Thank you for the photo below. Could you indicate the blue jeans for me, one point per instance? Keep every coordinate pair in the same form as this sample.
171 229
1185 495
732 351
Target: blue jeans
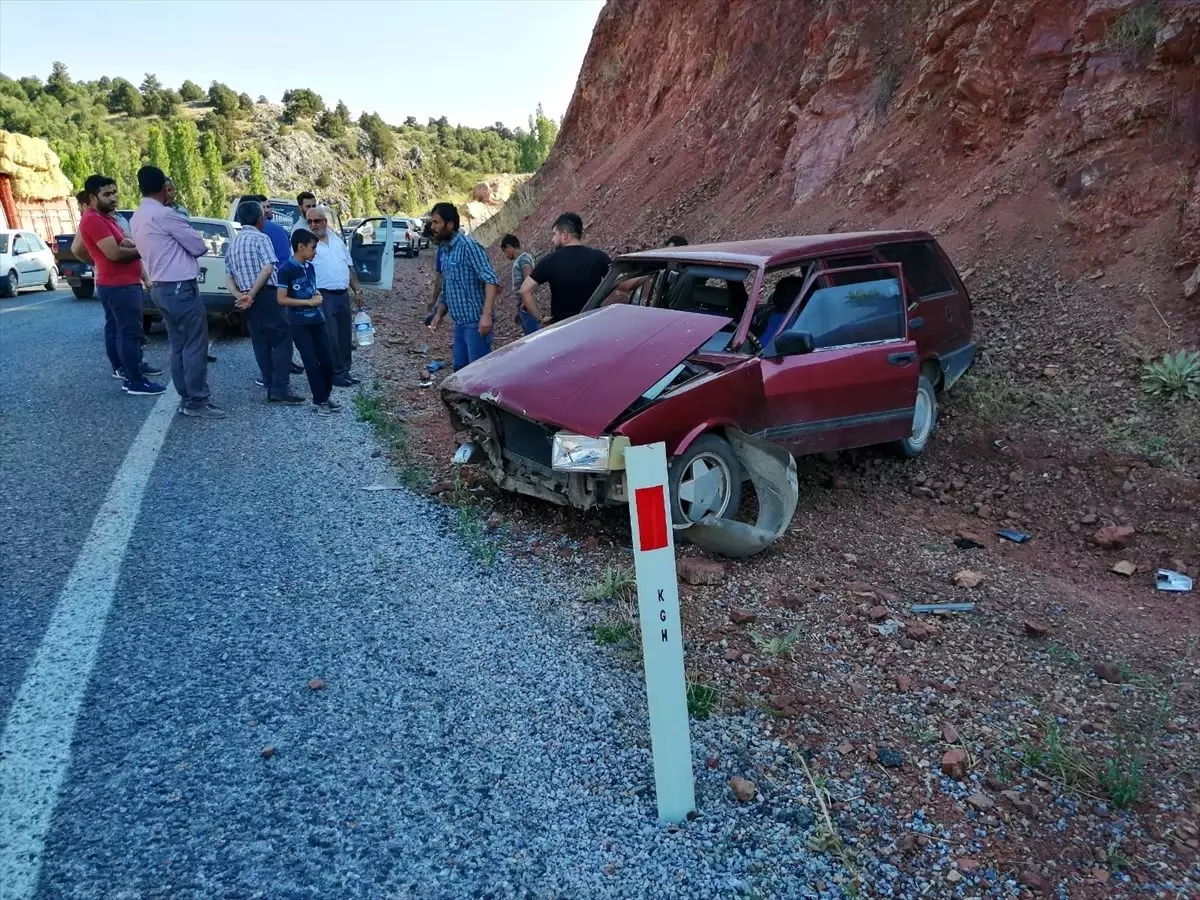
528 323
123 328
469 344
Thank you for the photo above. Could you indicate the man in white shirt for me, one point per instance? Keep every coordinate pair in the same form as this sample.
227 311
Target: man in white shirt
335 281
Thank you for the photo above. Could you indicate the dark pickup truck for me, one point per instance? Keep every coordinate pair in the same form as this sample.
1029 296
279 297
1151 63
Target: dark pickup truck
80 275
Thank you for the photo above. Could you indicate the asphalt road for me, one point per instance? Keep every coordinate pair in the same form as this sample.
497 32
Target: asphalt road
168 588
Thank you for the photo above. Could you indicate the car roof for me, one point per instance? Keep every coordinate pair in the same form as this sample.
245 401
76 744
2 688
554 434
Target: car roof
774 251
209 221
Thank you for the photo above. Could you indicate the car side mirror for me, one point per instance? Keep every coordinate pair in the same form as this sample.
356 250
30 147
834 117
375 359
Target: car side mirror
793 343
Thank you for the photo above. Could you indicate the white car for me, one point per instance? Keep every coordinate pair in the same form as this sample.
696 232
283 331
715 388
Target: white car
409 240
25 261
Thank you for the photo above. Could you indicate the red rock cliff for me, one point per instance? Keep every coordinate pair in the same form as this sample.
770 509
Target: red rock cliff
996 122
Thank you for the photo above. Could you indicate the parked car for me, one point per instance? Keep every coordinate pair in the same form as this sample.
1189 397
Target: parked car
25 261
286 213
348 228
409 239
218 302
813 343
81 276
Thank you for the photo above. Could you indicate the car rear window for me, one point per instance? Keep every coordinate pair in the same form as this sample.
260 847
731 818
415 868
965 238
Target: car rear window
215 236
853 314
923 267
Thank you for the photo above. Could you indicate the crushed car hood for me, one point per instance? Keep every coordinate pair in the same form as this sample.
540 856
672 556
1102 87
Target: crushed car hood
582 374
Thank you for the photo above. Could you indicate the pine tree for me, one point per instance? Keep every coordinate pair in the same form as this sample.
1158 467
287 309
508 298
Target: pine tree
214 177
187 170
356 209
156 149
258 180
366 192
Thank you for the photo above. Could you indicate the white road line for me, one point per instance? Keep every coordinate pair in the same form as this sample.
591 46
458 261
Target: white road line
35 749
9 309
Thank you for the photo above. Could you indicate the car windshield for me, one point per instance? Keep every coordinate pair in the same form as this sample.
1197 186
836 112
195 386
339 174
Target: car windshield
216 236
3 243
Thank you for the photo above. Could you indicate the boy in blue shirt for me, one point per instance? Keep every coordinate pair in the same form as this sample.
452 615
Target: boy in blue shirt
297 293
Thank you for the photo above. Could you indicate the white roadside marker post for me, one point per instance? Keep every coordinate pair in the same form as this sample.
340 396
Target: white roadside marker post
662 633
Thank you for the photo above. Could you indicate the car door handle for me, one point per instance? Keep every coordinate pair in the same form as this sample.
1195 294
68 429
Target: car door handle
916 324
901 359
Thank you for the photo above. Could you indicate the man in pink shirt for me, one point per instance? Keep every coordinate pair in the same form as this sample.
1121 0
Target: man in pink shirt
170 247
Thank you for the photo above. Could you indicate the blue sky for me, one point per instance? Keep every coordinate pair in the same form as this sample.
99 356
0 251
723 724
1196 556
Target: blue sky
500 57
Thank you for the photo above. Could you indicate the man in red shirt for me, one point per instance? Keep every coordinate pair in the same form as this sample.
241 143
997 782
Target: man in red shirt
119 285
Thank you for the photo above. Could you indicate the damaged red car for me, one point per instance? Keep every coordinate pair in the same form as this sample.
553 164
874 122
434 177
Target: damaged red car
737 356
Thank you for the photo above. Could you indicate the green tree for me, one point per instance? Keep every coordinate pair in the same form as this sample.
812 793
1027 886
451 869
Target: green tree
245 104
535 145
156 148
223 99
214 176
301 103
125 98
342 111
77 162
59 84
380 138
187 169
366 194
258 180
151 84
190 92
329 125
409 198
356 208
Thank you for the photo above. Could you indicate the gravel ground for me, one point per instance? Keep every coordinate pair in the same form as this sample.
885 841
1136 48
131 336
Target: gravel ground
466 737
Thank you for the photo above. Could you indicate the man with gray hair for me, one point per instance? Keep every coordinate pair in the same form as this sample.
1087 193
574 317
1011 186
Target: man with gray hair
336 279
250 268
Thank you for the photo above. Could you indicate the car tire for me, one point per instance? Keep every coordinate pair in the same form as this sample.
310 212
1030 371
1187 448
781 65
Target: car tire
925 415
711 459
52 280
84 291
8 285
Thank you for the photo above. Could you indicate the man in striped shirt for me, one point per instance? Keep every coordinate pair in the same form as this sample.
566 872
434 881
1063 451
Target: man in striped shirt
250 268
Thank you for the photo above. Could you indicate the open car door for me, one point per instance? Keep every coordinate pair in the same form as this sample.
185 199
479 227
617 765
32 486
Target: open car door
371 249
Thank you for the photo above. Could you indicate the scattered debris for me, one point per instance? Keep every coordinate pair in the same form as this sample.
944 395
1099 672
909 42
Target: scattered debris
742 617
698 571
1011 534
1036 629
1170 580
1125 567
954 764
889 628
981 802
965 578
316 684
268 751
890 758
938 608
968 541
743 788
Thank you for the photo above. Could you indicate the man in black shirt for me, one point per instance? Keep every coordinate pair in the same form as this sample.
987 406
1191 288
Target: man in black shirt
572 270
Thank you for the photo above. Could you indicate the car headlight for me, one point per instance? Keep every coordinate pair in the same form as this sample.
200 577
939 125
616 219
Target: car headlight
578 453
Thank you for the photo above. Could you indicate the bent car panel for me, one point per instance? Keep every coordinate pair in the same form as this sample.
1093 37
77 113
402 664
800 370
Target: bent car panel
583 373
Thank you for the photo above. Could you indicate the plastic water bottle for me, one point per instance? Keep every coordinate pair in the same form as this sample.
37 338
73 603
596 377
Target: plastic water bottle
364 331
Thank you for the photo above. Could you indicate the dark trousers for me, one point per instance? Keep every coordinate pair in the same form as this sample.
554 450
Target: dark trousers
123 328
187 327
336 308
312 341
271 338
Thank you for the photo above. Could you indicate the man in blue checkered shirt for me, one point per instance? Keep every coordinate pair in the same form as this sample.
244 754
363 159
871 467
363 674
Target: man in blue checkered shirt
250 277
466 286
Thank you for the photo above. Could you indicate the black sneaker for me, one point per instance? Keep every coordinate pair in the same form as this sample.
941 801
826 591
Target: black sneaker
208 411
297 369
259 381
345 382
149 371
290 399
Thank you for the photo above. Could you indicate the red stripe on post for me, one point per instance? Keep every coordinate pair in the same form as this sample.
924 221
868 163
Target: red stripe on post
651 517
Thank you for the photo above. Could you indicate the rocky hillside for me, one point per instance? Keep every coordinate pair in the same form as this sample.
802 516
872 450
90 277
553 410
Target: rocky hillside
1052 146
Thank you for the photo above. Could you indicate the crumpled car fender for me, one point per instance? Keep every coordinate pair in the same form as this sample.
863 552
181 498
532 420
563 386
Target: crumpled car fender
772 471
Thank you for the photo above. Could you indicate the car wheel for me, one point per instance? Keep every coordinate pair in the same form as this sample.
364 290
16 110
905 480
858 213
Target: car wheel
8 285
924 421
83 291
706 478
52 281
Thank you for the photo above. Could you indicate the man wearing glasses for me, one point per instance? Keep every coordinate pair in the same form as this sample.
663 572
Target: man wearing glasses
336 280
